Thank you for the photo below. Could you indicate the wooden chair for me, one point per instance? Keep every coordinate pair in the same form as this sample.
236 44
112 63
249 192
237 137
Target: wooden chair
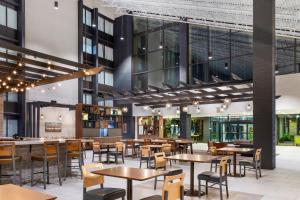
215 178
172 189
252 165
130 144
147 141
216 162
73 151
50 154
8 157
119 151
90 179
146 155
160 162
98 150
167 149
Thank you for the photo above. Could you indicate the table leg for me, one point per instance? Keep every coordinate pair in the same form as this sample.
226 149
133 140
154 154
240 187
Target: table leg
129 189
192 192
191 148
234 164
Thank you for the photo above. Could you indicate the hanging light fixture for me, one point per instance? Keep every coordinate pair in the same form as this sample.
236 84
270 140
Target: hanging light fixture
56 5
161 38
168 105
177 111
210 55
94 18
124 109
185 109
226 66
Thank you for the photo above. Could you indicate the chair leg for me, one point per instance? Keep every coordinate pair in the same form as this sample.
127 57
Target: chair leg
227 193
80 163
216 167
259 171
256 174
221 194
116 159
20 173
58 171
44 173
244 170
14 170
48 178
211 165
155 182
240 170
32 173
123 158
199 188
65 166
93 157
141 163
206 188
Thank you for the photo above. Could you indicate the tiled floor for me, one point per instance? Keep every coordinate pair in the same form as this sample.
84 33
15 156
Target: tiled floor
283 183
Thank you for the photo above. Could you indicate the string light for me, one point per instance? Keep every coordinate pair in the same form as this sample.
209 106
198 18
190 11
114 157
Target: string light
14 72
9 78
168 105
44 75
20 64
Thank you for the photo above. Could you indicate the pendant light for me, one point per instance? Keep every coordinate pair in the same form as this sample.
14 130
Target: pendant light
122 37
160 37
56 5
94 18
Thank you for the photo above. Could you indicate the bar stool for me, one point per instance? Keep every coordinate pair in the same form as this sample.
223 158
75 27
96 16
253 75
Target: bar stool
8 157
73 151
50 154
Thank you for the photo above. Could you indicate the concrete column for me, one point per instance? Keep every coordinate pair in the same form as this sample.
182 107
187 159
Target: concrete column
185 125
184 72
264 80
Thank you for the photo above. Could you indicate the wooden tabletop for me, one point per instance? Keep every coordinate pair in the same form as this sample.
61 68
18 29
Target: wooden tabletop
137 174
235 149
155 146
192 158
14 192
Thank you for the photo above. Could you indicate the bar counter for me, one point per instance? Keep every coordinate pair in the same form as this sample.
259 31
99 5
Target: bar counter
29 147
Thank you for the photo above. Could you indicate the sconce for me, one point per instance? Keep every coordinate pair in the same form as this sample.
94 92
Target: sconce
42 116
59 117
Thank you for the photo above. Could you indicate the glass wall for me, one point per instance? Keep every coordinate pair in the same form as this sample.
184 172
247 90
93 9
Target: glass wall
8 16
156 53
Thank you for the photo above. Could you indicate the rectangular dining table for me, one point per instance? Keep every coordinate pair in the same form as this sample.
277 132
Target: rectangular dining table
130 174
235 151
192 158
15 192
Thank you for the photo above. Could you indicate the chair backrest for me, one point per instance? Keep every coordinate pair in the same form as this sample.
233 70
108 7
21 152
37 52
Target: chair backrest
119 146
173 143
90 179
147 141
73 145
210 144
160 160
213 151
51 148
166 148
223 166
130 142
145 151
96 146
7 149
173 187
257 156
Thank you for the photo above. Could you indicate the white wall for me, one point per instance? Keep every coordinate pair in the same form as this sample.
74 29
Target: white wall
51 114
54 32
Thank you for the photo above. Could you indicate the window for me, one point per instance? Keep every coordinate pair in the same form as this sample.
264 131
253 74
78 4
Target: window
109 53
101 50
87 78
2 15
10 126
87 98
8 17
100 24
101 78
109 103
109 27
12 97
12 18
87 45
87 17
109 79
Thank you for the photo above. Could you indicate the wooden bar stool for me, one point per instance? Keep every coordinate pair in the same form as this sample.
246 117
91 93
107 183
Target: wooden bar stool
50 154
8 157
73 151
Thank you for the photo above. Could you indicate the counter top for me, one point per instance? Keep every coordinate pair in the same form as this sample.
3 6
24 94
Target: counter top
42 140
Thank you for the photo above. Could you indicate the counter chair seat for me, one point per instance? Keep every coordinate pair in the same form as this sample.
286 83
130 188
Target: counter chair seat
50 154
8 157
90 179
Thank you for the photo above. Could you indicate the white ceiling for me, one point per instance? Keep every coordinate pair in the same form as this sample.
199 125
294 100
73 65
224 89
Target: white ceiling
233 14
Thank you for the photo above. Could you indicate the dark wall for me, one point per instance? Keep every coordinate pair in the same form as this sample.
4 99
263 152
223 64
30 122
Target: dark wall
123 65
185 125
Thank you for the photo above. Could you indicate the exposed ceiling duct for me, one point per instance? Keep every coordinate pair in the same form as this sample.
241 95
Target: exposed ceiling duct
231 14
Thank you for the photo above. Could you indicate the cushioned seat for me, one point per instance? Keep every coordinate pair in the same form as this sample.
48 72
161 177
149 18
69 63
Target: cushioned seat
209 176
104 194
247 163
154 197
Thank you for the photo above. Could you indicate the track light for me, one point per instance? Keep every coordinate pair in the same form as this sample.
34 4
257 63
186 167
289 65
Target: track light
56 5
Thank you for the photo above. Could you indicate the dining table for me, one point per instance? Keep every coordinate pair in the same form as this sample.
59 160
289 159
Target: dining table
130 174
192 159
15 192
235 150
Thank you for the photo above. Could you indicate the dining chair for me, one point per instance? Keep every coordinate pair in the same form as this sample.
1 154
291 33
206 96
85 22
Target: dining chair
216 162
215 178
167 149
146 155
8 157
90 179
98 150
160 162
73 150
252 165
172 189
119 151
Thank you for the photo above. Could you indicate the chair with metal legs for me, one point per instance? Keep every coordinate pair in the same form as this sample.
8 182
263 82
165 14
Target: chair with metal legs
73 151
8 157
50 154
252 165
146 156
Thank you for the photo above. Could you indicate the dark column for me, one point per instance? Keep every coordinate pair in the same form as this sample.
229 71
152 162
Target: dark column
96 63
185 125
184 72
123 65
80 46
264 80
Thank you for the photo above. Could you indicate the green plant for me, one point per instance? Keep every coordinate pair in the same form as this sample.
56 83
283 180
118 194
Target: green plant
286 138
